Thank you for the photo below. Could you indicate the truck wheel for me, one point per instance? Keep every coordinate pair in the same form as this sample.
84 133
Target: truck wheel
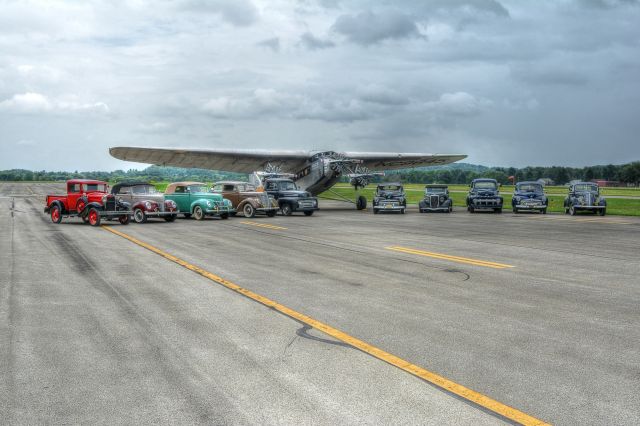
361 202
124 219
572 211
170 218
498 210
271 213
402 211
286 209
308 213
56 214
139 216
94 217
80 205
198 213
248 211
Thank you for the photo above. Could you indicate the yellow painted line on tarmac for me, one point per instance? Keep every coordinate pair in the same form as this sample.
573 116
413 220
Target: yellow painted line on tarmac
262 225
415 370
458 259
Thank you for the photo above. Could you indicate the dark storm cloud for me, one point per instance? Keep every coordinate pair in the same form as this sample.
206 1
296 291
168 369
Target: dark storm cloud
312 42
506 81
369 28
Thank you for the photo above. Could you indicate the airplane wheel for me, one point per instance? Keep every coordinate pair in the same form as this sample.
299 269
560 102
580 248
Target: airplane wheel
361 202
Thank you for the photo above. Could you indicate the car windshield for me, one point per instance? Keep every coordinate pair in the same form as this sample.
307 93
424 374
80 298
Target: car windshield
585 187
436 190
288 186
485 185
197 188
91 187
389 189
530 187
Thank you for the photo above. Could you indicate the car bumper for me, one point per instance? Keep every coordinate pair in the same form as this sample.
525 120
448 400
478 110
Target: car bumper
217 211
301 207
435 209
530 206
589 207
390 208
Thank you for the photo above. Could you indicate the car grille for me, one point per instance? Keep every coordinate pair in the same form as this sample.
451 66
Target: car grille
264 199
110 204
435 201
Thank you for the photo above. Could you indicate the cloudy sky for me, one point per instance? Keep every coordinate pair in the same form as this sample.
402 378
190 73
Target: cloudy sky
509 83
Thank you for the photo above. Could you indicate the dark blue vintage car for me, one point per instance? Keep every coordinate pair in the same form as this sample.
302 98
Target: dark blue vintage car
585 196
529 196
484 195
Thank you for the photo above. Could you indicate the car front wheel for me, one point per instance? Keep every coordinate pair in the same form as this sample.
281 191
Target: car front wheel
572 211
286 209
248 210
124 219
139 216
198 213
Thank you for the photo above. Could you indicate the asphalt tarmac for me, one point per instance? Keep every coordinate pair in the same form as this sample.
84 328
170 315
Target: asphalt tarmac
541 313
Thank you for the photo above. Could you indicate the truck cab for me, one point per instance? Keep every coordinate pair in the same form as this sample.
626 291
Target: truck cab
290 198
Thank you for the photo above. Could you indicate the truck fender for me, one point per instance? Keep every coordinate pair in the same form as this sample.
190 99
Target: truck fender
60 205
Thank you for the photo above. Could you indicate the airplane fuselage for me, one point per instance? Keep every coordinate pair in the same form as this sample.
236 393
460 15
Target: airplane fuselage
317 176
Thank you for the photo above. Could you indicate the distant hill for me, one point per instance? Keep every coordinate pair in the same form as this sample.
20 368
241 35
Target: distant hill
457 173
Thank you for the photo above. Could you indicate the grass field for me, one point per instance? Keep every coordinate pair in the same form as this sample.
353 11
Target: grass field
615 206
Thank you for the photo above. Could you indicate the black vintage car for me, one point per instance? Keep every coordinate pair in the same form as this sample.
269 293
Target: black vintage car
529 196
290 198
390 197
585 196
436 199
484 195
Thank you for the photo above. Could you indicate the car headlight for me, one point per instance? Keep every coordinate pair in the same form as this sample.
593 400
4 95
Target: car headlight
147 204
209 204
315 203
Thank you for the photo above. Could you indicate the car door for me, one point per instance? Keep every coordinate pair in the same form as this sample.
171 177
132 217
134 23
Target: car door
182 198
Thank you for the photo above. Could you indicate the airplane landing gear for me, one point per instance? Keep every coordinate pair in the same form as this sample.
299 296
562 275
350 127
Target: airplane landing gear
361 202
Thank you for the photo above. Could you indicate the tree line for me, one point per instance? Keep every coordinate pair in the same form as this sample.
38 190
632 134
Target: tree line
459 173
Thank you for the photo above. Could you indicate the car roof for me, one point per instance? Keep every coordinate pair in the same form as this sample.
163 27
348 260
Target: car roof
484 180
127 183
171 188
390 184
232 182
86 181
528 182
436 185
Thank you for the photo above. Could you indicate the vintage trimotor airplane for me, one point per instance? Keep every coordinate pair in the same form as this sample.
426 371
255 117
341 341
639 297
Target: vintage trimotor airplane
315 172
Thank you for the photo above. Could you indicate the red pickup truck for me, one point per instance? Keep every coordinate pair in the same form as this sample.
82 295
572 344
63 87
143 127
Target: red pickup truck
89 200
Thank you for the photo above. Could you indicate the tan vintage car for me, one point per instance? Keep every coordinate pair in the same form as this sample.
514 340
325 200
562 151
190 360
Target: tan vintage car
245 198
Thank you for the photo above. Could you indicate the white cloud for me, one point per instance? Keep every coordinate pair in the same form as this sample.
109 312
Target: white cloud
33 103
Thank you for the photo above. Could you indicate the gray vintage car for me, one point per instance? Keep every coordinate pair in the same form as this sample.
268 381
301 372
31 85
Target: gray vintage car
146 201
436 199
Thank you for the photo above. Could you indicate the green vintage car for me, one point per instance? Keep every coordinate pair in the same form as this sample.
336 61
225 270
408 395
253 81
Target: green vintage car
194 199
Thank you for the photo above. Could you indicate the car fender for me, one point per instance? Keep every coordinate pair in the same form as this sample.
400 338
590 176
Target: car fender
199 202
141 205
60 205
94 204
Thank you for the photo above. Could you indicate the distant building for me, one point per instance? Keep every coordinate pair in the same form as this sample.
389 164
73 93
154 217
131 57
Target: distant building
606 183
546 181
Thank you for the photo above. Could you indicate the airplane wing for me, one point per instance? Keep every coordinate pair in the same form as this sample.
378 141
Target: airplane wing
229 160
250 160
394 161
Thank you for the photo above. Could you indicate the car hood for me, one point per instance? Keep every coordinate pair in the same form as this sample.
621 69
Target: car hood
485 192
207 196
528 194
